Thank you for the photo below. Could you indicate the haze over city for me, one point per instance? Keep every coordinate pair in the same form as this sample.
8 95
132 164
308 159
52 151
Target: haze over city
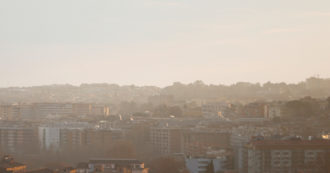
150 42
164 86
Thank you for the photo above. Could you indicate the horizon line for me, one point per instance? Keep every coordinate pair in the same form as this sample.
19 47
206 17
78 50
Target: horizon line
146 85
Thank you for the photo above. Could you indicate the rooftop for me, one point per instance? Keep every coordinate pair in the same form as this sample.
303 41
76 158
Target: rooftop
115 161
294 143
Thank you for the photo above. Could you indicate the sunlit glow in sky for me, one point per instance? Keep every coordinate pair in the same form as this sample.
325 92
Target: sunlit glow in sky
158 42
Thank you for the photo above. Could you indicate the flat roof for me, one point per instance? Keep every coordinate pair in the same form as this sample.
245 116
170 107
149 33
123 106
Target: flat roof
115 161
293 143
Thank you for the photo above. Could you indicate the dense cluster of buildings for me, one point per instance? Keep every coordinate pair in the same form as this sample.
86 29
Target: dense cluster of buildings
9 165
32 138
250 141
42 110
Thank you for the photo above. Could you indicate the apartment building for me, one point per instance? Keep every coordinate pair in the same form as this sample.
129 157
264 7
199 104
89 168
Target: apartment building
75 135
18 138
287 156
9 112
47 109
166 140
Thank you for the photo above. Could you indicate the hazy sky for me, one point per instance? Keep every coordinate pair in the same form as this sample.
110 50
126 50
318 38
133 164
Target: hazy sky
157 42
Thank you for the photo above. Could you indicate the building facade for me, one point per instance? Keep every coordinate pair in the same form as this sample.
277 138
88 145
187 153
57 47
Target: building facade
117 165
287 156
166 140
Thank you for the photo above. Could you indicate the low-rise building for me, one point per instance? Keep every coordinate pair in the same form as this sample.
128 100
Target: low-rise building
83 168
117 165
273 111
201 165
9 165
196 142
214 110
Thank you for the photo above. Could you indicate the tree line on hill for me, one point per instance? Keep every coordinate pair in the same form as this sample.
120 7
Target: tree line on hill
113 93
